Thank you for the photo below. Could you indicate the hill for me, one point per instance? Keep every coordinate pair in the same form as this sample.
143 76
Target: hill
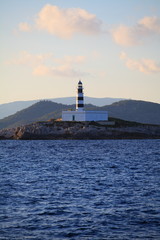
42 110
8 109
137 111
130 110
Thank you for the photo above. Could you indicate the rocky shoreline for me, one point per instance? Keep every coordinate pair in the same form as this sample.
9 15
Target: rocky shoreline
80 130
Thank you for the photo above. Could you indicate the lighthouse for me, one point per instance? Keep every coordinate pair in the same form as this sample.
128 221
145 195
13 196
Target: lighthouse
80 115
79 98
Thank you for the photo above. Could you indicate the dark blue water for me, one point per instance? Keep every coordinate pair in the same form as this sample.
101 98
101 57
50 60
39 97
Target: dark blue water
91 190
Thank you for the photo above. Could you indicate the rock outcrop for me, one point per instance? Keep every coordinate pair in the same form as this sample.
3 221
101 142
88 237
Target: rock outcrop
80 130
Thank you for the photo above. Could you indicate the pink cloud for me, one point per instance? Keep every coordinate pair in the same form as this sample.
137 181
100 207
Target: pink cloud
48 65
24 27
144 65
151 23
59 71
134 35
27 58
66 22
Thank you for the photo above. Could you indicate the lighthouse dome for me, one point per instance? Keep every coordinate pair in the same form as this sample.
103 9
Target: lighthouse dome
79 83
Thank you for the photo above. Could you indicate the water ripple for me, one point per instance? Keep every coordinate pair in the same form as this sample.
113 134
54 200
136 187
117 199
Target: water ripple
91 190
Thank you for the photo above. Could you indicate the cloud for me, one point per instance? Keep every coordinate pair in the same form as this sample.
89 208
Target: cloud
151 23
41 70
71 59
64 23
24 27
144 65
26 58
134 35
48 65
126 36
60 71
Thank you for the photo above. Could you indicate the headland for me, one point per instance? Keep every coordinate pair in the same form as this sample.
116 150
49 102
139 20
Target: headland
115 129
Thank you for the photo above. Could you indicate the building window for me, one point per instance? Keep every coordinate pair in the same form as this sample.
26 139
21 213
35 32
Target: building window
73 117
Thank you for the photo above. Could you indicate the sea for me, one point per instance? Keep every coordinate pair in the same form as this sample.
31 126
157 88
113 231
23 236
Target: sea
80 189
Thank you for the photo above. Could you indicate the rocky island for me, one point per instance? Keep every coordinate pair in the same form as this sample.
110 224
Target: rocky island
116 129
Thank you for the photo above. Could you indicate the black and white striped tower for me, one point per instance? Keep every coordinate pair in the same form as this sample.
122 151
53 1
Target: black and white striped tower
79 98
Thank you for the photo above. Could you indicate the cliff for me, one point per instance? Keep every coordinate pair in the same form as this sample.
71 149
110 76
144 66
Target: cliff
81 130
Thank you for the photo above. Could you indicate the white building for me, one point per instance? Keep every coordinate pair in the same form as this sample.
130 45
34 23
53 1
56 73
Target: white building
80 114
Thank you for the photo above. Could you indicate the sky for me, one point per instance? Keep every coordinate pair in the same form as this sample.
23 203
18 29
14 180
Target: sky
113 47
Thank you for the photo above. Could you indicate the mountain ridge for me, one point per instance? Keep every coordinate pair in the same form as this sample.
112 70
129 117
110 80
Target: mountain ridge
129 110
7 109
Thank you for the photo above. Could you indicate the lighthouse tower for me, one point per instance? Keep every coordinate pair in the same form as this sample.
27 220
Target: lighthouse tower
80 114
79 98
